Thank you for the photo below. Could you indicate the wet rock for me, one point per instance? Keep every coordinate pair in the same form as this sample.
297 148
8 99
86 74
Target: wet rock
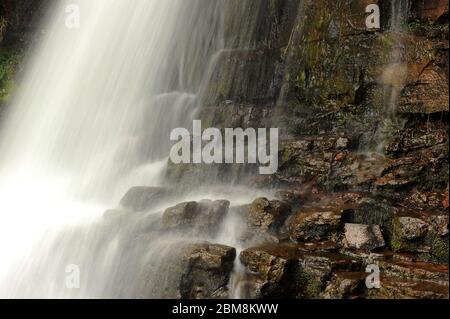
317 268
398 288
445 201
315 223
423 170
321 247
400 174
181 214
143 198
273 268
204 215
354 172
267 216
416 270
306 159
207 271
425 200
373 211
410 228
293 198
421 232
360 236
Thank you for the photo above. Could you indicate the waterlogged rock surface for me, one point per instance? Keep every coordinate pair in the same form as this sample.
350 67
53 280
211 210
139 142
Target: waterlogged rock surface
360 182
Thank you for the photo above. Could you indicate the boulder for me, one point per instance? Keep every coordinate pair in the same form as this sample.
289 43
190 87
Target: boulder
207 271
267 216
142 198
345 285
415 270
294 198
421 232
315 270
205 215
410 228
359 236
315 223
271 269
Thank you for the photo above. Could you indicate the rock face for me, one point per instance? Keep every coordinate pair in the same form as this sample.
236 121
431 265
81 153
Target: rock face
410 228
203 216
274 269
207 271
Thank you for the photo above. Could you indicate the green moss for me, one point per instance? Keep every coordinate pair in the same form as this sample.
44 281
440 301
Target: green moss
309 286
8 65
396 242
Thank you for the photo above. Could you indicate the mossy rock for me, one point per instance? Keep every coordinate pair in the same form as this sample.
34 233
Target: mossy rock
440 250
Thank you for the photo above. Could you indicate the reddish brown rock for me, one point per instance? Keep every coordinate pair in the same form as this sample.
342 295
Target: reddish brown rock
314 223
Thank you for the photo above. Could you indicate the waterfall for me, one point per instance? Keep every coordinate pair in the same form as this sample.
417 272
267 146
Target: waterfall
91 118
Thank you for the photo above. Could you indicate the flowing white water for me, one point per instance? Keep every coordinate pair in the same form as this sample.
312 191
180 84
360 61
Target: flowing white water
394 75
91 118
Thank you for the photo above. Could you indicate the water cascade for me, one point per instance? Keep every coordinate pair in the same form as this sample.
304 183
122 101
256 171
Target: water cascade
92 118
394 76
94 207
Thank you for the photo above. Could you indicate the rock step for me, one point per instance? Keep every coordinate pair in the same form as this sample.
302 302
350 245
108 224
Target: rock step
422 271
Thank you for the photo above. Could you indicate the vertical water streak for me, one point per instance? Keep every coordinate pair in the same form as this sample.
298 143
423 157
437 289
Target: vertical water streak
394 76
91 117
